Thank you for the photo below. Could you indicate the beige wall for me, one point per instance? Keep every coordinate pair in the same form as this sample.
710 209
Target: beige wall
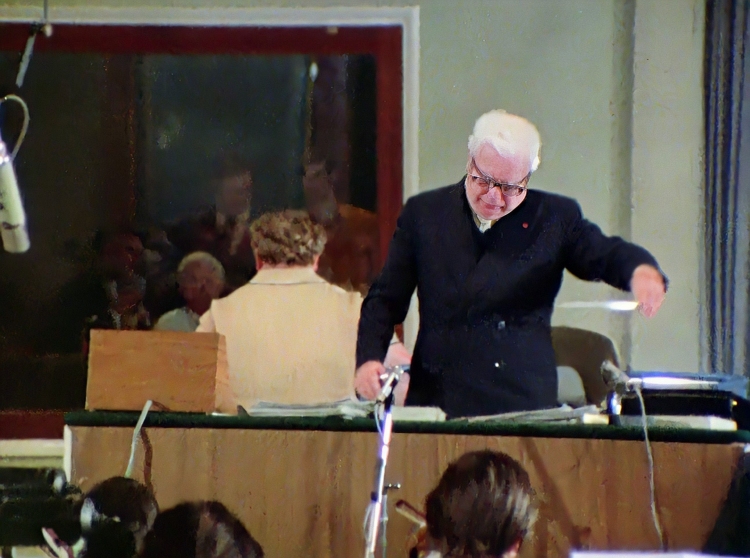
615 89
667 193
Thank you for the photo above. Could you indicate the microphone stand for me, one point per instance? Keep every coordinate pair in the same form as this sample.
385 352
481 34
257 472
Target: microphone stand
376 513
384 519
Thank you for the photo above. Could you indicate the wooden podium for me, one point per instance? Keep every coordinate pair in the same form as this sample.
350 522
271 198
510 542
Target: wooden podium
184 372
301 485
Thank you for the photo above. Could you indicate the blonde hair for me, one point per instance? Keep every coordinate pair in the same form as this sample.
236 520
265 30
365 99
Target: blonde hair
509 135
287 238
201 257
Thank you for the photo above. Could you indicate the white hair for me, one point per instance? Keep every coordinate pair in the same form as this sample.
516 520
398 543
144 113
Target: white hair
203 257
509 135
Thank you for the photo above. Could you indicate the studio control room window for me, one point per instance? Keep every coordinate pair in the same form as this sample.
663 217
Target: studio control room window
147 144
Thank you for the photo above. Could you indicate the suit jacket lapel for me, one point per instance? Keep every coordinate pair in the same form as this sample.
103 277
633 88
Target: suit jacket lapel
461 252
501 268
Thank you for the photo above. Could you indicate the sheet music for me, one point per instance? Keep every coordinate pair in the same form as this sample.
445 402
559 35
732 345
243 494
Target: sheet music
565 413
348 408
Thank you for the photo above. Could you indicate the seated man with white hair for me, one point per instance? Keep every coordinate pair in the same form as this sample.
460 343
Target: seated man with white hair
486 256
291 336
200 277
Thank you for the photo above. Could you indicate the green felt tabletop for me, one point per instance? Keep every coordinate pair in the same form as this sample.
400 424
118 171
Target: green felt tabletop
460 427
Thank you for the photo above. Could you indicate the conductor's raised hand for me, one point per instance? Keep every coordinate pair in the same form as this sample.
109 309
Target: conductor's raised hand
648 288
367 379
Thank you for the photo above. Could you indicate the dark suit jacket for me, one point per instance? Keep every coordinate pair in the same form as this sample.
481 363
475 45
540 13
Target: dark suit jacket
74 304
485 299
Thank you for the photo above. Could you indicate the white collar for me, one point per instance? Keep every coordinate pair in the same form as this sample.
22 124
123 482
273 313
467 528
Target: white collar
191 313
483 224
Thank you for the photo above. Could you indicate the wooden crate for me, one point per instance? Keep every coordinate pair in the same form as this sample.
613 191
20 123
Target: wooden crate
178 371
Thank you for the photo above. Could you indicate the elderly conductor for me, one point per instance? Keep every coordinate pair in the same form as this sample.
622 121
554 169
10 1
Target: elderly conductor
486 256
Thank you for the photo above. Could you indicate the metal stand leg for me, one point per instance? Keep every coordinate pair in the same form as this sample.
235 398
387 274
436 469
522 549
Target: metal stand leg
384 525
384 519
377 498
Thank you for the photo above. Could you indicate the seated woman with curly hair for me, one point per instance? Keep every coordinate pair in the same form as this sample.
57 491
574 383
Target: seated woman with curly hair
291 336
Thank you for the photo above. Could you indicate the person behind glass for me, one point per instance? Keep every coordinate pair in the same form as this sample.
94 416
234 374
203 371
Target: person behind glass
222 230
161 259
487 257
200 277
350 258
290 335
126 312
107 295
200 530
483 507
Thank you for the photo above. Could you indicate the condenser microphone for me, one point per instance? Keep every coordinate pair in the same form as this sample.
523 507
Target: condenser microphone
12 216
13 230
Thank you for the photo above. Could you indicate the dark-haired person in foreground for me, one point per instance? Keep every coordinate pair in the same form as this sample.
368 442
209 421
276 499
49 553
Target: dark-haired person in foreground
200 530
482 508
115 516
486 257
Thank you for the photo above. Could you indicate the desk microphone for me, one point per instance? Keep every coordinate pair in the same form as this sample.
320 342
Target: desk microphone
389 380
613 377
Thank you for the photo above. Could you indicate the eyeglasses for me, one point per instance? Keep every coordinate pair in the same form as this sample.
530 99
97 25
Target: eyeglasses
484 183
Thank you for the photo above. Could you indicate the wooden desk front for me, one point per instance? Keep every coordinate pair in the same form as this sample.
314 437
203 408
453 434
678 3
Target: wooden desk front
303 492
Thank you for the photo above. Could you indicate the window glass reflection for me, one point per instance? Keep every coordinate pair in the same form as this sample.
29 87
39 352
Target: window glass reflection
133 162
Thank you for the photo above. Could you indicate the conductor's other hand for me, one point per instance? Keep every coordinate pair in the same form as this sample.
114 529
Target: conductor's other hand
647 286
397 355
367 379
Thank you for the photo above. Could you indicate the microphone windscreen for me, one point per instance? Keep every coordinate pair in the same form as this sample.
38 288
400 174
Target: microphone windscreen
12 216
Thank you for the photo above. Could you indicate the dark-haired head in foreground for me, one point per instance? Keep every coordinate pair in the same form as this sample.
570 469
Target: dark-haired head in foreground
200 530
115 516
482 507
